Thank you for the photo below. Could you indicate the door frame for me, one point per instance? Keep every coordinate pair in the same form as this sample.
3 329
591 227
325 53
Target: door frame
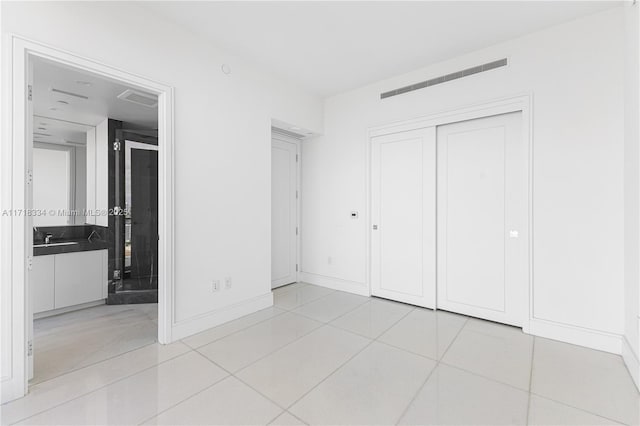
16 242
288 137
516 103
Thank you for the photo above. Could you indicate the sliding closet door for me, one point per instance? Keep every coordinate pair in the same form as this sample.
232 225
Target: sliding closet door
403 239
482 218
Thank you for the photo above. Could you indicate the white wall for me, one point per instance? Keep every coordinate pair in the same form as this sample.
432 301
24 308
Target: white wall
631 350
574 73
222 141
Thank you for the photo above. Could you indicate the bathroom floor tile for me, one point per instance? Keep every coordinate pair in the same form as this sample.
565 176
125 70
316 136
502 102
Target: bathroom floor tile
105 332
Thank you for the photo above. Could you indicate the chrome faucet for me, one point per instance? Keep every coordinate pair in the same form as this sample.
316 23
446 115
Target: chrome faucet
47 238
93 233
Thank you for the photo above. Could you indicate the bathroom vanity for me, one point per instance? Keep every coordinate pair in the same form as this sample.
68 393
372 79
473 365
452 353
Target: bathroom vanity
68 275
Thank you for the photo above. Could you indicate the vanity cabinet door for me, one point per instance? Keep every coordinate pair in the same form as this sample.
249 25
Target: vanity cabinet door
78 278
42 283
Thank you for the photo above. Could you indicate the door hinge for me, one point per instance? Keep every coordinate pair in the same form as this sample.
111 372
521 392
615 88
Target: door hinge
296 158
296 195
30 348
30 263
296 267
116 145
29 177
30 92
296 230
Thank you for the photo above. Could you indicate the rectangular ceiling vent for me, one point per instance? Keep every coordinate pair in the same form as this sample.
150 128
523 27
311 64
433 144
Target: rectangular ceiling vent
443 79
64 92
140 98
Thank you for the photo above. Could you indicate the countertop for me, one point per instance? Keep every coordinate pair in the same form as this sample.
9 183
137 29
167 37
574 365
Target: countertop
82 245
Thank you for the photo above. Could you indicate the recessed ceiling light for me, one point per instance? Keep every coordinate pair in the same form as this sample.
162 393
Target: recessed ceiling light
83 83
63 102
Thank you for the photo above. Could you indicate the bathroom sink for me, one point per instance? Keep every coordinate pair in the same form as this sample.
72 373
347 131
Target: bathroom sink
66 243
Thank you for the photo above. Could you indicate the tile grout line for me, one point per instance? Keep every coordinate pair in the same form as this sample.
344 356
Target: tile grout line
344 363
103 386
332 319
533 352
229 375
578 408
284 311
232 374
332 291
437 361
94 363
274 419
190 396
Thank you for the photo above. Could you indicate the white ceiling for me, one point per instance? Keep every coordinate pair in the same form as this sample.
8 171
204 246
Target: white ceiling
331 47
102 102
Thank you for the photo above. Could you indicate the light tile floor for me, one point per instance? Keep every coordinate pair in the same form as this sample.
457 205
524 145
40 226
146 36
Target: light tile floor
326 357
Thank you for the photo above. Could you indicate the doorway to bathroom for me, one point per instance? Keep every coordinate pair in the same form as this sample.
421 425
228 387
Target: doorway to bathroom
75 252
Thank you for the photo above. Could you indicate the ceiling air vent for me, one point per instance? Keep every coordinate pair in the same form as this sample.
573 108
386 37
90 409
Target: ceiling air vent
443 79
64 92
140 98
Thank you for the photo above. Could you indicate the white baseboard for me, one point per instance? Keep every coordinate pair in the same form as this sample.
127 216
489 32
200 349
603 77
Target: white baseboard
204 322
335 283
631 361
594 339
59 311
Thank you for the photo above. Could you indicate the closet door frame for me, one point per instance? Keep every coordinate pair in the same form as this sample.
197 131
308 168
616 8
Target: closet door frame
520 103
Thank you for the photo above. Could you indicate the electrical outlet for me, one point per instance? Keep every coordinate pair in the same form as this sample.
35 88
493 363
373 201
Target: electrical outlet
227 283
215 285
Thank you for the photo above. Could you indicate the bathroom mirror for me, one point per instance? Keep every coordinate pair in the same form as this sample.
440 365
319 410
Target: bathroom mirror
60 159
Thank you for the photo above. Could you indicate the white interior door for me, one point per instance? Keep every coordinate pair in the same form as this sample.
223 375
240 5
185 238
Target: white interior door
284 211
482 218
403 239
